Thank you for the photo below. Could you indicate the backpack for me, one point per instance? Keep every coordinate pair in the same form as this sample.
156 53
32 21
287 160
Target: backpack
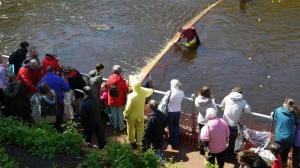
113 91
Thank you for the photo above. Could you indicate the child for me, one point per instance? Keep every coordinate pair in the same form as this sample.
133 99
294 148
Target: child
104 102
275 149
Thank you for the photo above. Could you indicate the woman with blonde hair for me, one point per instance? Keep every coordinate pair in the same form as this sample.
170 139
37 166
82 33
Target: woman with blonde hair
285 128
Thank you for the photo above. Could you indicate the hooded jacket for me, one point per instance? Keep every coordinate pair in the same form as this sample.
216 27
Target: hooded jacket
95 80
50 61
122 89
136 101
202 104
234 104
285 127
29 78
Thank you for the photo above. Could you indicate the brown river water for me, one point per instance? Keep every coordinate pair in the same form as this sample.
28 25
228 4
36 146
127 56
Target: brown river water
255 45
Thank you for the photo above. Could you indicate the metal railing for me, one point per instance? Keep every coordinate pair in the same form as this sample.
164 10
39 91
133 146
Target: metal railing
191 99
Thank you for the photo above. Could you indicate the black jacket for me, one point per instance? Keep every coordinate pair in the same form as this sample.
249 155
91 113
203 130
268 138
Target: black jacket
90 111
17 58
154 129
16 101
76 81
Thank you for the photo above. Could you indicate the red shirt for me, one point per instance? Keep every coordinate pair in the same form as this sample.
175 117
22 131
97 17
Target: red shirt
49 61
29 78
277 163
122 89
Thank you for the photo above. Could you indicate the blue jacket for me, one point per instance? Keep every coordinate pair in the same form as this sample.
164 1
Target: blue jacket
57 84
285 126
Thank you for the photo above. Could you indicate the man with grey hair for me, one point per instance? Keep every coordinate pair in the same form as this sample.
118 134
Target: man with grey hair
29 76
33 54
117 91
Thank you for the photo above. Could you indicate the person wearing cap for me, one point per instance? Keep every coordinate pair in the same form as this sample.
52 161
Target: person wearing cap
215 132
134 111
234 104
117 91
90 118
192 38
50 59
29 76
17 57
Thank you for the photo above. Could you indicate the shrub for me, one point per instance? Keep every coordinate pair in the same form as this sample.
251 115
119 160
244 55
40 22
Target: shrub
121 156
42 140
6 161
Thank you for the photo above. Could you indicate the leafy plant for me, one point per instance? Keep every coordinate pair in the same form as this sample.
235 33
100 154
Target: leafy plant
6 161
42 140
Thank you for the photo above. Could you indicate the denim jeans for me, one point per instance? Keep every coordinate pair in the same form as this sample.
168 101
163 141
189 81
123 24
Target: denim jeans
117 117
232 137
173 125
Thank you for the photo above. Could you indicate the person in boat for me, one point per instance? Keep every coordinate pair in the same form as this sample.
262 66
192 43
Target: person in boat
192 38
50 59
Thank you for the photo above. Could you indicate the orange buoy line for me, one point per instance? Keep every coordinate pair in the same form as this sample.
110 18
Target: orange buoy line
143 73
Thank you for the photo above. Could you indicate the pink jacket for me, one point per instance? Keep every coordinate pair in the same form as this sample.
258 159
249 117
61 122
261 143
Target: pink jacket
215 132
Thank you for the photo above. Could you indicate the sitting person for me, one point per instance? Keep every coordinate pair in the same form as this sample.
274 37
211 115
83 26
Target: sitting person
192 38
154 129
275 150
250 159
50 59
216 133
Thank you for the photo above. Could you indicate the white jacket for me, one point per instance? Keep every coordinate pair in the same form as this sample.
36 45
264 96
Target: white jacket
202 104
175 100
234 104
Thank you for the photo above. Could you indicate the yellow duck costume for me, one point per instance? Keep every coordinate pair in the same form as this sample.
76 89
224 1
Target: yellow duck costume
134 111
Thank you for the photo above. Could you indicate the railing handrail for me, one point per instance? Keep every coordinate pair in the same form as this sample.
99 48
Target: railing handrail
163 93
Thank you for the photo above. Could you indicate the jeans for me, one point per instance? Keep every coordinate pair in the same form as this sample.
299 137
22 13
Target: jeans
117 117
296 157
232 137
173 125
220 158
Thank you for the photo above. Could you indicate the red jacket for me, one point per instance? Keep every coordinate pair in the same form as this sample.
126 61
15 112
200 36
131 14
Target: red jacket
277 163
122 89
29 78
49 61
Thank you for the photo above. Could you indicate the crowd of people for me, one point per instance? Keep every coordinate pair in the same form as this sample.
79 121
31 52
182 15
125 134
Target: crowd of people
35 90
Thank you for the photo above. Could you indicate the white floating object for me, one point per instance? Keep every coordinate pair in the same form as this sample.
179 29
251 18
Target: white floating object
259 19
260 86
249 58
268 76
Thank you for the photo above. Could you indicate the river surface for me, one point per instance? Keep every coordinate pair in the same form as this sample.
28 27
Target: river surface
255 45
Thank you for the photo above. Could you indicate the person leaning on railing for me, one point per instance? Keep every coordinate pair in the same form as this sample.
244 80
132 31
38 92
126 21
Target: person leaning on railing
234 104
